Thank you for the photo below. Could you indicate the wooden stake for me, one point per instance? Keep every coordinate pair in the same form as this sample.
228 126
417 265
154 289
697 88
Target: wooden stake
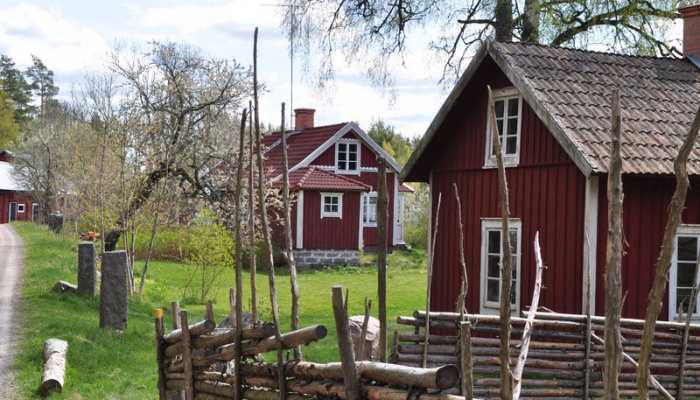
266 228
506 261
160 359
465 279
466 363
430 284
658 289
363 334
289 252
382 220
529 325
176 314
587 360
187 357
352 384
251 224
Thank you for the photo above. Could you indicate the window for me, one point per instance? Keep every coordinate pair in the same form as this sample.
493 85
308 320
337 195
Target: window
332 205
682 279
491 255
20 208
369 209
347 156
508 107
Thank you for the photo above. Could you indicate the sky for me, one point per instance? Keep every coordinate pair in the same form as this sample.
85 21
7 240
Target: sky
72 38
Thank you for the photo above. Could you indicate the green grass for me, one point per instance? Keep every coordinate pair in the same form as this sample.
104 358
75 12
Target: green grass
104 364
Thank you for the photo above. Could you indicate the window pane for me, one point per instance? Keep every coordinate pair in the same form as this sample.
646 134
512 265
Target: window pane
686 274
513 107
342 148
514 241
683 298
512 126
687 248
498 105
494 242
512 145
513 291
492 290
494 270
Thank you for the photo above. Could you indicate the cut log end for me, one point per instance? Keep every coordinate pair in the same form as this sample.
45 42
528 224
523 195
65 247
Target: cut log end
55 352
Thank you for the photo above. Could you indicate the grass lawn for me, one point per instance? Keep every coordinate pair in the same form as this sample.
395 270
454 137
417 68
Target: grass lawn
104 364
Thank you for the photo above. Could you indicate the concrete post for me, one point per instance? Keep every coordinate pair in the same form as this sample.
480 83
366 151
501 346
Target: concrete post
87 269
114 297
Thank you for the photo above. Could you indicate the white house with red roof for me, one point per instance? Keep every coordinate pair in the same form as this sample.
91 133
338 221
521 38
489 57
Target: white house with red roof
333 173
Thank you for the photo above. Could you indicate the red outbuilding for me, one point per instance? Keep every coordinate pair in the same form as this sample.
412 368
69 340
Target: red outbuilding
15 203
553 110
333 174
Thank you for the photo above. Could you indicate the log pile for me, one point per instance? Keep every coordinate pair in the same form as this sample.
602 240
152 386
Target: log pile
195 360
557 365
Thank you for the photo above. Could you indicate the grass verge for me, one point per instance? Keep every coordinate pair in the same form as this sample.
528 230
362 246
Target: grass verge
105 364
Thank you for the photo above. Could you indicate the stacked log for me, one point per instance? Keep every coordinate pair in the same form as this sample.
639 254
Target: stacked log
190 361
557 360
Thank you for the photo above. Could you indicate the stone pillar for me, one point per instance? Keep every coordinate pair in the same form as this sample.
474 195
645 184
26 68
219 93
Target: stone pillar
114 297
87 269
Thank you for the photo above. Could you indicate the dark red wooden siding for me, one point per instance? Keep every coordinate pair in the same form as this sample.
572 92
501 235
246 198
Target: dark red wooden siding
645 214
331 233
368 159
7 197
547 193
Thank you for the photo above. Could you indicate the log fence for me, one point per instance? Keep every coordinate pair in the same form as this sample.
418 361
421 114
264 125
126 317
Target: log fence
196 361
558 359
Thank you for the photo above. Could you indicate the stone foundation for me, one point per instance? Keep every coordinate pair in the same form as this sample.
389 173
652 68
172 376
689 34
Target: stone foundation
326 258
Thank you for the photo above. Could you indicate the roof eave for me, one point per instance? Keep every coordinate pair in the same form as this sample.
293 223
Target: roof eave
444 111
542 112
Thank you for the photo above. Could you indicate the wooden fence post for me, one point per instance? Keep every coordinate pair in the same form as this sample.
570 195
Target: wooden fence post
187 356
160 358
352 384
466 364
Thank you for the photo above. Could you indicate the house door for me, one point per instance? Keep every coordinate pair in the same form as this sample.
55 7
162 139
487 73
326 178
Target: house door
13 212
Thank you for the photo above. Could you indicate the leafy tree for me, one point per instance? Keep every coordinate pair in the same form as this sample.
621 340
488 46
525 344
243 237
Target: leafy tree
395 144
174 120
17 88
377 32
9 129
42 85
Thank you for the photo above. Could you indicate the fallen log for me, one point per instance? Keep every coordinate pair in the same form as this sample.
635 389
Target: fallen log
63 287
55 351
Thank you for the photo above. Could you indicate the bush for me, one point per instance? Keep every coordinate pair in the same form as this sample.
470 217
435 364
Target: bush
416 221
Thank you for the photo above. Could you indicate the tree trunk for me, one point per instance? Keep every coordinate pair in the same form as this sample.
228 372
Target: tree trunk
504 20
382 221
531 22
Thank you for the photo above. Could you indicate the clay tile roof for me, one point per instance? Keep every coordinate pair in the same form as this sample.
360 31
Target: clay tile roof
659 98
312 178
299 145
404 188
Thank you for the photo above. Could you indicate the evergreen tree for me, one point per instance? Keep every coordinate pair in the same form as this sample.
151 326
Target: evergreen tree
17 89
9 128
42 85
395 144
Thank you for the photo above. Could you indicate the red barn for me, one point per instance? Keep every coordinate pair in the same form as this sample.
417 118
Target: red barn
553 111
333 173
15 204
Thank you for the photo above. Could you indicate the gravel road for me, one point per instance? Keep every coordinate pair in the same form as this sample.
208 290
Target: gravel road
11 257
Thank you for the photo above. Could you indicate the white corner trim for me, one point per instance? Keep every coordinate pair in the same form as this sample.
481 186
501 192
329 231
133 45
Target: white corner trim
590 242
300 219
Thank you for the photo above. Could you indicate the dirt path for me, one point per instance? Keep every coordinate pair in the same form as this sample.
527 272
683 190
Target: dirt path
11 257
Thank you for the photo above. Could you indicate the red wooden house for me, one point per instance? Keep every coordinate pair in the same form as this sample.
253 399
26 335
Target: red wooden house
553 111
333 174
15 203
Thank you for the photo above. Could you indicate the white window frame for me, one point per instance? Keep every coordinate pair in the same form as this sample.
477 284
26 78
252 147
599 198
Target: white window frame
513 159
20 208
338 152
331 214
368 209
494 224
683 230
